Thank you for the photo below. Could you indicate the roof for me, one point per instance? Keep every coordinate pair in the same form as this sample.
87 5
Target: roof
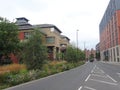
63 36
22 18
23 24
48 26
25 27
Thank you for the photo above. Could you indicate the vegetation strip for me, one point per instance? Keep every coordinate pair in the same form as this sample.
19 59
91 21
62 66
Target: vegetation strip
18 77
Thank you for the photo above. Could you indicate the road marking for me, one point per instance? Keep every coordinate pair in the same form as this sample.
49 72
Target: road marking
89 88
93 69
102 71
99 75
103 82
80 88
112 78
98 69
87 77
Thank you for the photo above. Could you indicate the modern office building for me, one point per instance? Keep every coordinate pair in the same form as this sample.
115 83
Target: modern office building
110 32
98 51
98 48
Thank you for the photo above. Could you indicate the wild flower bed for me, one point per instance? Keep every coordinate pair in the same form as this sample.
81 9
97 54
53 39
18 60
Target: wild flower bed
12 68
16 74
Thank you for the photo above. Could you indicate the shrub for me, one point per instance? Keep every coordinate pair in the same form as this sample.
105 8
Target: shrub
9 41
34 53
74 55
23 75
7 71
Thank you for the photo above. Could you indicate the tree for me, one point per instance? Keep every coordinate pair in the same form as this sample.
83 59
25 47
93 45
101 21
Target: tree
98 55
9 41
81 55
74 54
71 54
34 52
91 56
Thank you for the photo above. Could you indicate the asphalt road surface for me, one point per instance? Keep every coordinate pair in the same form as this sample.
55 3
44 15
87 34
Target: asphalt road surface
90 76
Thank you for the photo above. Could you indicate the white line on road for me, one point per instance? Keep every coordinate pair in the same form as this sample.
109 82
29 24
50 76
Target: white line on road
103 82
93 69
99 75
80 88
89 88
87 77
97 69
102 71
112 78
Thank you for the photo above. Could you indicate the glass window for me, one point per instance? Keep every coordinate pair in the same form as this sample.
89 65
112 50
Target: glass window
118 60
50 40
52 29
117 51
26 35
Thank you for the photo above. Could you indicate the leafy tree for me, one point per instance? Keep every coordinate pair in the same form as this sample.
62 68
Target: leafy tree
34 52
9 41
81 55
98 55
91 56
71 54
74 54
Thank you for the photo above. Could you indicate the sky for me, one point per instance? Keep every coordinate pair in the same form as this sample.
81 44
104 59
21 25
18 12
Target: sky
68 15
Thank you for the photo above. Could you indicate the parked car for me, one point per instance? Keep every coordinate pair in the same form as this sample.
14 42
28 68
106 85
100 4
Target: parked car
91 60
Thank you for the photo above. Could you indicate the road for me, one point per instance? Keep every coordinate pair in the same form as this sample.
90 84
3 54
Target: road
90 76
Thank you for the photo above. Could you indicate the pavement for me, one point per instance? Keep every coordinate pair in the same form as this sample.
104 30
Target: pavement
108 62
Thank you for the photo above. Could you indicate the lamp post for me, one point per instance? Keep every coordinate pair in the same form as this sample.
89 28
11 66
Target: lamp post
77 41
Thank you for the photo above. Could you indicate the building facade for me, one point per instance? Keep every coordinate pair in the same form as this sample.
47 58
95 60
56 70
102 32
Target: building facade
98 51
53 40
24 27
90 54
97 48
109 29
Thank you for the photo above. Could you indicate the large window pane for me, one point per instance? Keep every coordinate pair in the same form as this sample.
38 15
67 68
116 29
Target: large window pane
50 40
26 35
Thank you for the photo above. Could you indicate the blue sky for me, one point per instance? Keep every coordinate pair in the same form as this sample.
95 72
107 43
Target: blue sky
67 15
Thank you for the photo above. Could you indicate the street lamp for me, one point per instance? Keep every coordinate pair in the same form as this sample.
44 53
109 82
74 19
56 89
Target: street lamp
77 40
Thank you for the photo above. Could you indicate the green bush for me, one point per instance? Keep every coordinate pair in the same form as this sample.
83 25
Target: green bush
2 86
11 79
74 55
21 77
4 77
34 53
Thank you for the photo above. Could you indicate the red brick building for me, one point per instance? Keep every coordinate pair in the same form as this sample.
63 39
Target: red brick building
110 32
88 53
